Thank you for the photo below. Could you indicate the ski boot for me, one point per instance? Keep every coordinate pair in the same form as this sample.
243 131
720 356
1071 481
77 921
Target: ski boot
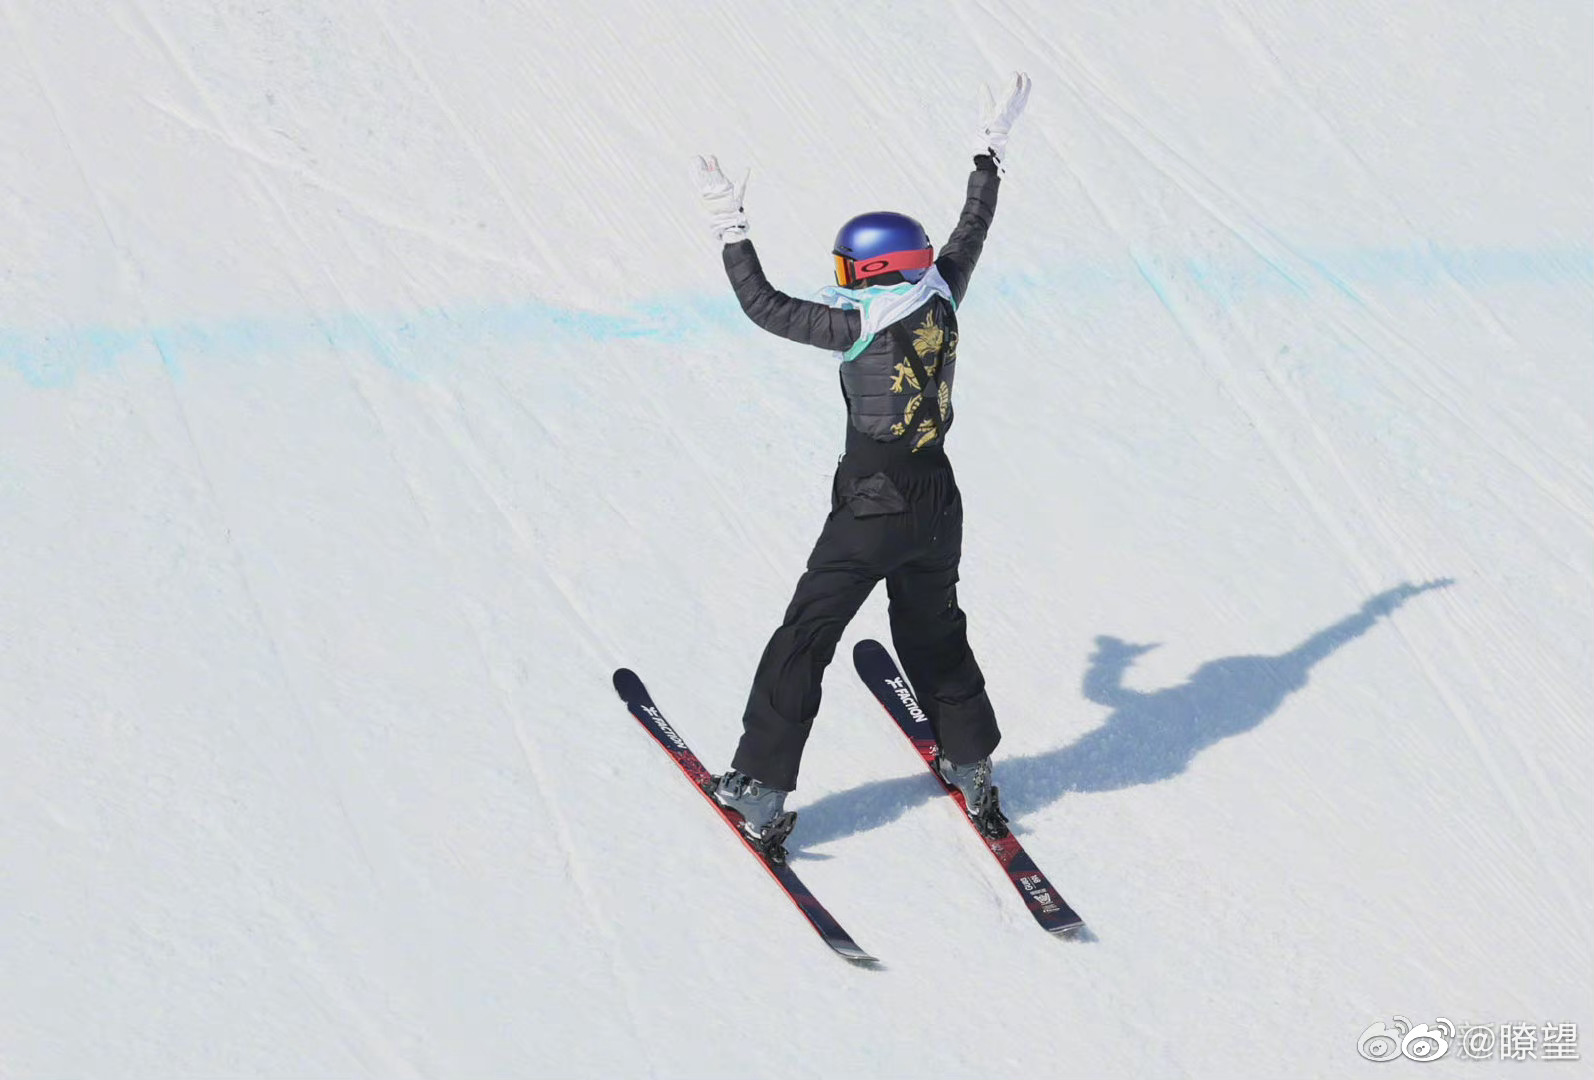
765 820
979 794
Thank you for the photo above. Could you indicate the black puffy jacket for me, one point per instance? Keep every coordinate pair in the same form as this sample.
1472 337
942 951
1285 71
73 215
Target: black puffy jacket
882 392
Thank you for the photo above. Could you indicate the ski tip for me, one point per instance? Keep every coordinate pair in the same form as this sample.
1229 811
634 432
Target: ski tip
1071 932
626 682
866 647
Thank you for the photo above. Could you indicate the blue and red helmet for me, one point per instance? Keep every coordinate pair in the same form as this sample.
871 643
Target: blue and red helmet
881 242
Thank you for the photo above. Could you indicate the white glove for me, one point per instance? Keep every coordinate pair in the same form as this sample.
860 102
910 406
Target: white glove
997 119
722 199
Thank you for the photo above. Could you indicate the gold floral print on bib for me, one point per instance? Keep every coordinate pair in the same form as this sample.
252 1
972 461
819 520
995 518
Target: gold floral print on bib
927 340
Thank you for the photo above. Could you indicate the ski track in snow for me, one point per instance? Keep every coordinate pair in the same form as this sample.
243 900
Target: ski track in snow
1212 347
1244 32
478 153
542 778
373 1039
355 201
1157 153
1134 134
595 489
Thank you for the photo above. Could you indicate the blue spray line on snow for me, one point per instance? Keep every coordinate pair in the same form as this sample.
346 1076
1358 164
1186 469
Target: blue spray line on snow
415 343
410 343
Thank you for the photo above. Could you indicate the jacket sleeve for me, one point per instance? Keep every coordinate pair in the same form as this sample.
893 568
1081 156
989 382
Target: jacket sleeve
802 321
962 249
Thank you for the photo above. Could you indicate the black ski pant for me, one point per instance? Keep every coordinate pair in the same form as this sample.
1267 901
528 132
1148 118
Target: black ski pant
906 528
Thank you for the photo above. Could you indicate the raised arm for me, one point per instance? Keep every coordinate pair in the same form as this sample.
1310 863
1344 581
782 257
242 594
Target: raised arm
962 249
803 321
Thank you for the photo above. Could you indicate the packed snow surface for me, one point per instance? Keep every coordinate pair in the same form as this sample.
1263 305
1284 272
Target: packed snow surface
370 389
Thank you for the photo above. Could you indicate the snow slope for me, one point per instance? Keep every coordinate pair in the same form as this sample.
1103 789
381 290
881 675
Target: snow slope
369 390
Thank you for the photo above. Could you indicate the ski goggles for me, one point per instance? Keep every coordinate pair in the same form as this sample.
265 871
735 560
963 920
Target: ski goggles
850 271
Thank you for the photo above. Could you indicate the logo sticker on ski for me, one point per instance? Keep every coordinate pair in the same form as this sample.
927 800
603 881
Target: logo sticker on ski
664 727
909 702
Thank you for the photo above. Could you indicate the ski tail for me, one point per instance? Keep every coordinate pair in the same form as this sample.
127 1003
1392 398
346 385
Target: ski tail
640 703
890 687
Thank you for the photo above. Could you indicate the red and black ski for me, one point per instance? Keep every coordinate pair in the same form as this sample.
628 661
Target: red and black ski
881 674
637 699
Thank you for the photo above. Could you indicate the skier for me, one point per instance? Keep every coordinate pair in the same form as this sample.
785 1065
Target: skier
895 509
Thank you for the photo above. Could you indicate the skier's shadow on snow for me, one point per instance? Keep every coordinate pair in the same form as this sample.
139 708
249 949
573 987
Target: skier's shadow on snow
1149 736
